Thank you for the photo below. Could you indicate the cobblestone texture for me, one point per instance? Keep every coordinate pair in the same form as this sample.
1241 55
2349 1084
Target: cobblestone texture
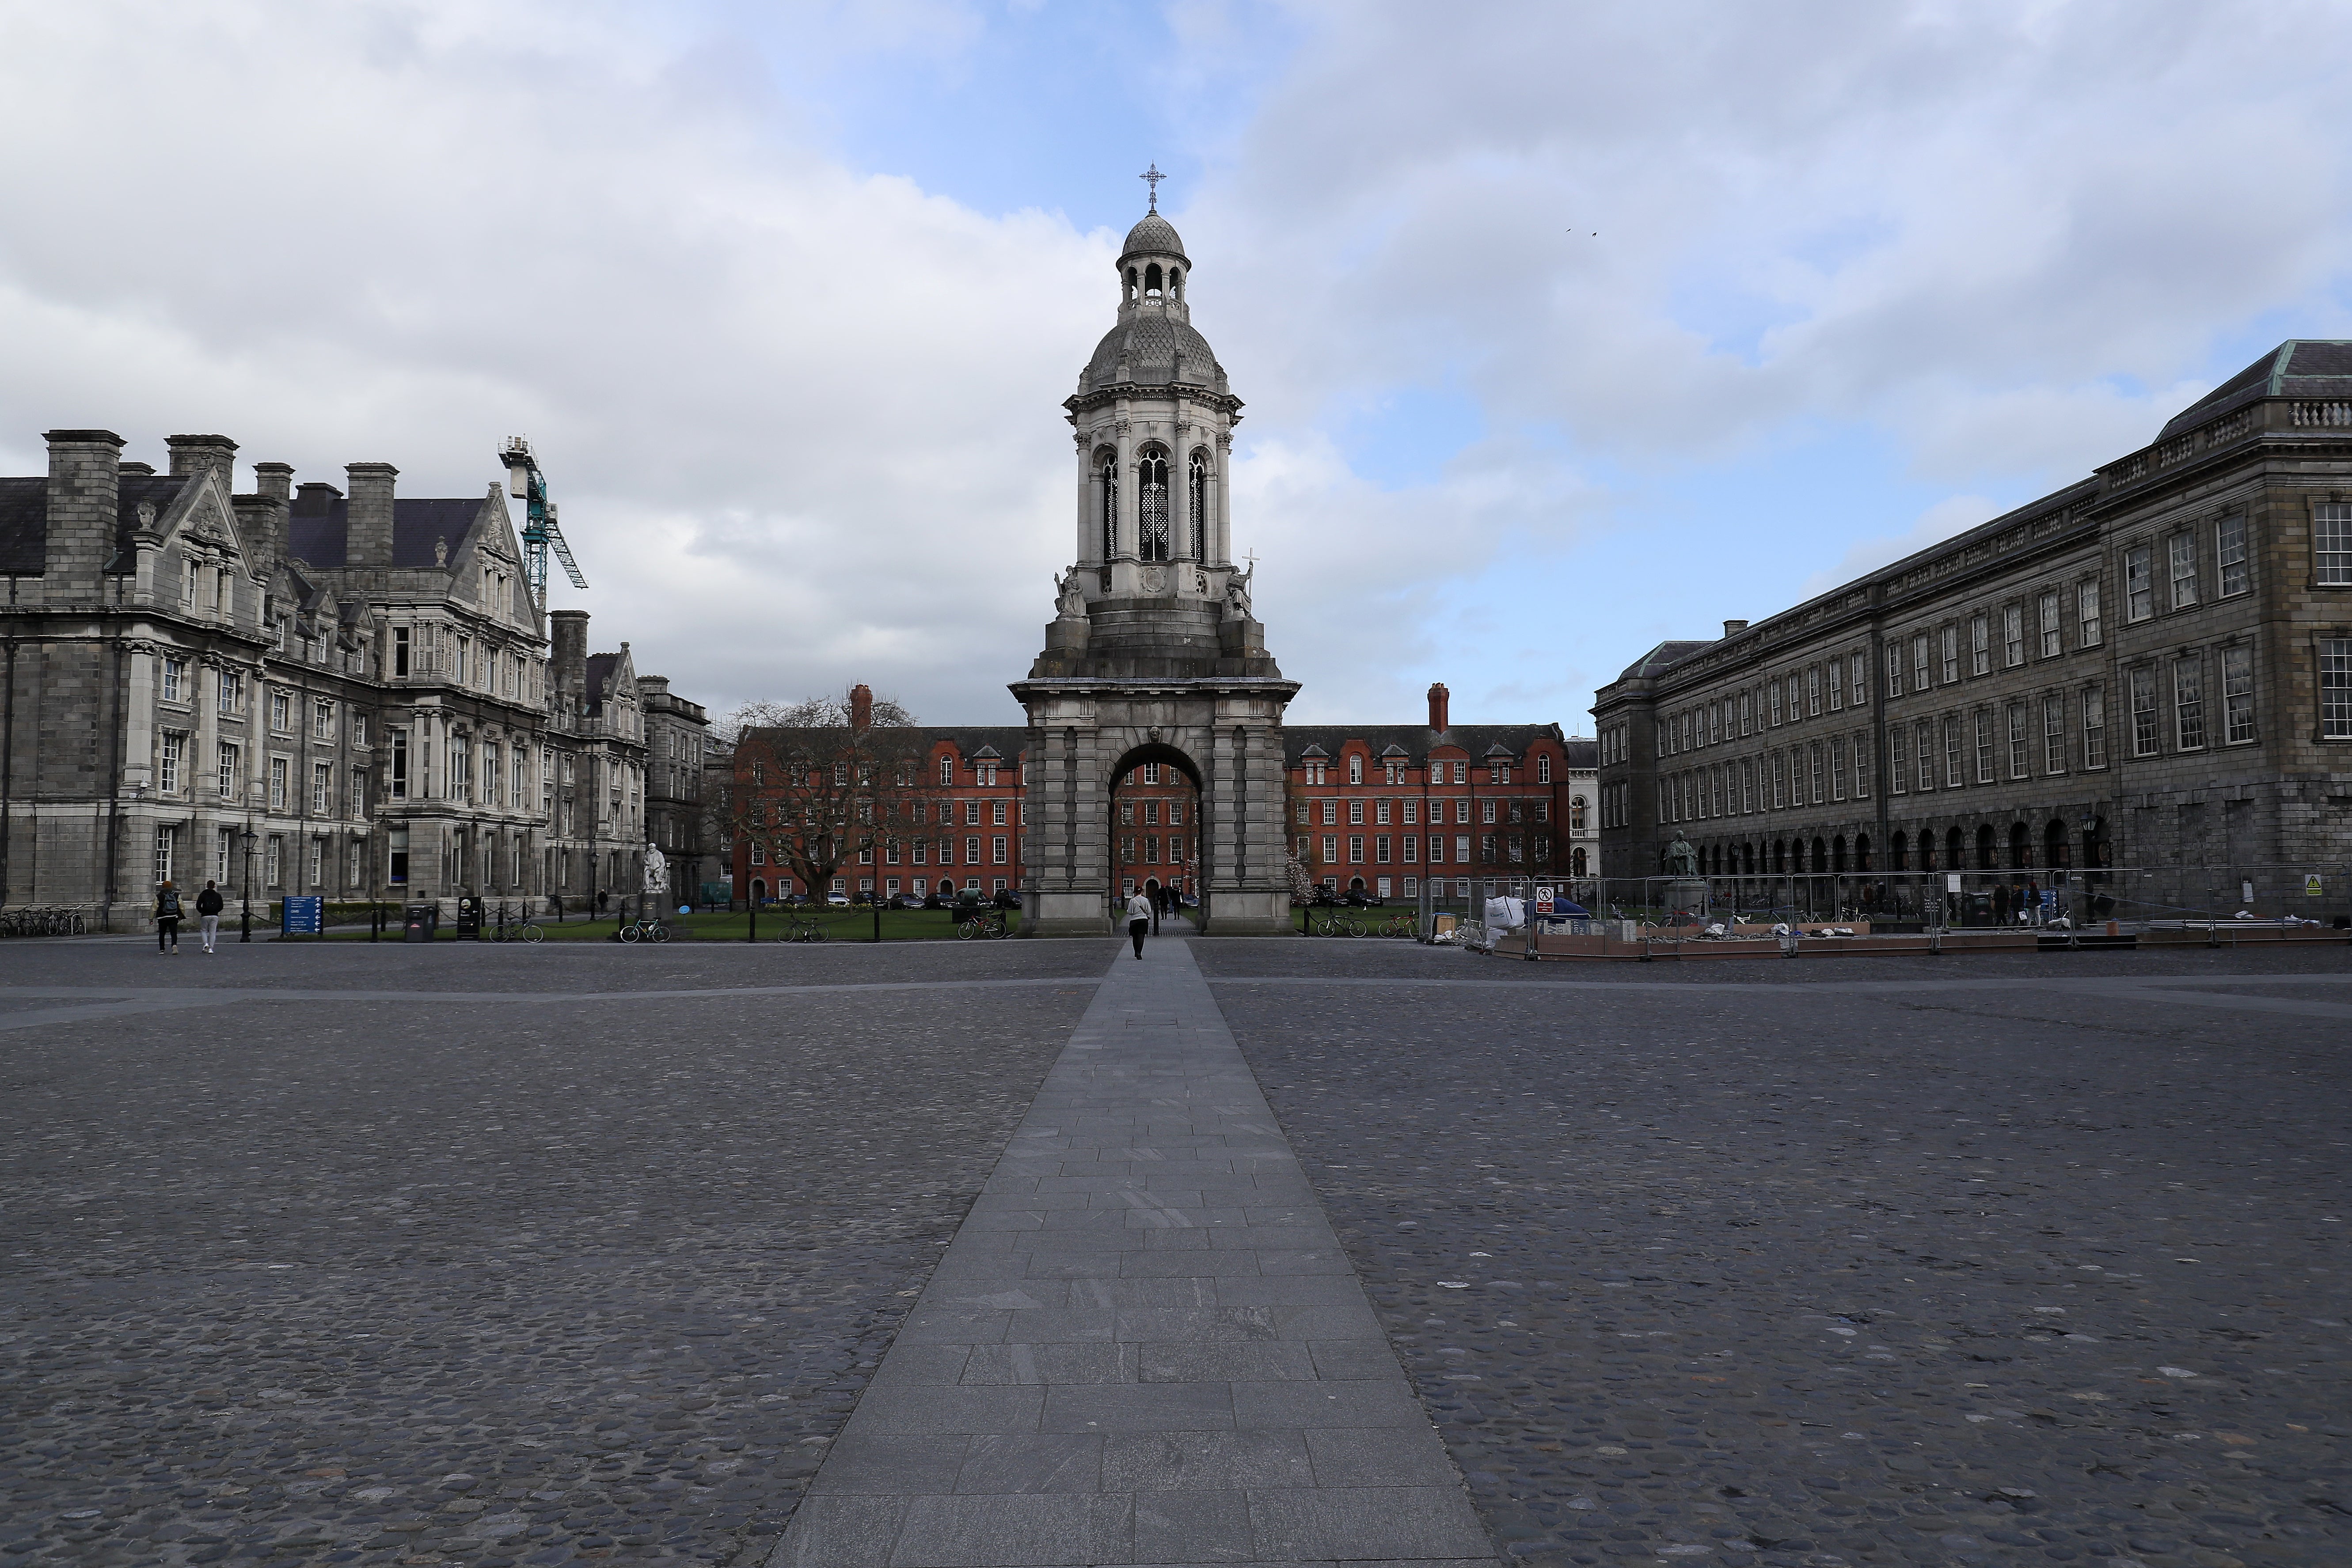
487 1282
1750 1263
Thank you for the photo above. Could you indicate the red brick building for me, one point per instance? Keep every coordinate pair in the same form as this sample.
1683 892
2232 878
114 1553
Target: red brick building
1378 809
1371 808
960 830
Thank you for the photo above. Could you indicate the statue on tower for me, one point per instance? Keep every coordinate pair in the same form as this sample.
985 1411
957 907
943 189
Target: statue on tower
1237 591
1069 598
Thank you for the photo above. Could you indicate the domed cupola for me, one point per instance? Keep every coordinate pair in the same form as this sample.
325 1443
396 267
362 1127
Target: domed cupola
1154 343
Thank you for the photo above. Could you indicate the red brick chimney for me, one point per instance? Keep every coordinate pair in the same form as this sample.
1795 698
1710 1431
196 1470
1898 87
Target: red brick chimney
1438 696
861 707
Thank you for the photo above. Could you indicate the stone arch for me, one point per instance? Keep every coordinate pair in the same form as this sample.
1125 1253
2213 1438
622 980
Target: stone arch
1862 851
2020 847
1898 852
1954 858
1986 851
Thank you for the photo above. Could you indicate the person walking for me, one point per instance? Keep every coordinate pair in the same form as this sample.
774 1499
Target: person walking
167 920
1139 919
208 914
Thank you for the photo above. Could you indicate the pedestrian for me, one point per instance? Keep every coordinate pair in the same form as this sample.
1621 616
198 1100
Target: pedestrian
167 920
1139 919
208 914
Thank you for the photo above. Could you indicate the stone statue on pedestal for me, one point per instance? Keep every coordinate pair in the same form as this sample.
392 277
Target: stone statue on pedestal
1682 860
656 871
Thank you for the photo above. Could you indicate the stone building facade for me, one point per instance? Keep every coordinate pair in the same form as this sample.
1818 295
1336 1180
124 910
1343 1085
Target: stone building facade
341 691
2150 669
1153 655
679 750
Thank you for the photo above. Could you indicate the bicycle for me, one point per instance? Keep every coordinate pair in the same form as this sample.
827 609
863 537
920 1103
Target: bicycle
644 930
522 930
981 926
1332 925
803 929
1399 925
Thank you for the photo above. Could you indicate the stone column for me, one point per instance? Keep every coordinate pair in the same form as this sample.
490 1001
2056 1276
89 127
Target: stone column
1129 515
1221 524
1089 514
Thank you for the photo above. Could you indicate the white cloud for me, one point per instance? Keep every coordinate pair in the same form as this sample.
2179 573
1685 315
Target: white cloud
1949 517
805 422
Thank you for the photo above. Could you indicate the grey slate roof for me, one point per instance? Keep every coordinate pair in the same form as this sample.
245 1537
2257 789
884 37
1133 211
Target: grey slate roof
23 523
1159 352
600 677
1154 235
2299 367
322 535
1661 657
1479 741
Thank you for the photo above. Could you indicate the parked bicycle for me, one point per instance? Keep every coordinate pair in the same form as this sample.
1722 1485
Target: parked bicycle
800 927
1337 925
1397 925
983 927
650 930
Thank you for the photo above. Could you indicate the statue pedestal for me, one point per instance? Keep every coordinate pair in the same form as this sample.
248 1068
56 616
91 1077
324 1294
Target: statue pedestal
1688 893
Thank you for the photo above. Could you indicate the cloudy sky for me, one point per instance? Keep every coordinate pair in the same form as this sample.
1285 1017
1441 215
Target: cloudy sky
1562 328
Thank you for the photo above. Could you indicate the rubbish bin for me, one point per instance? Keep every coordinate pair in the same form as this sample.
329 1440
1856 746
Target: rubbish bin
420 922
470 919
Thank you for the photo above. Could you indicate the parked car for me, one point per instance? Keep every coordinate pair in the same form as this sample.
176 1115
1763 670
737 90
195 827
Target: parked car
906 901
838 900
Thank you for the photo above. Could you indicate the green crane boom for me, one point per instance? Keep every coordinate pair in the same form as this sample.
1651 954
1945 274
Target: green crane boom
541 533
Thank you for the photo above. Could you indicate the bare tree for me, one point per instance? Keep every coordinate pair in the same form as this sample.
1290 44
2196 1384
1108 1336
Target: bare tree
820 782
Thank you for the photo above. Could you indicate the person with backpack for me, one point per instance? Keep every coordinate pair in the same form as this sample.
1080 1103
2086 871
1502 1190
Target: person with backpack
208 914
167 920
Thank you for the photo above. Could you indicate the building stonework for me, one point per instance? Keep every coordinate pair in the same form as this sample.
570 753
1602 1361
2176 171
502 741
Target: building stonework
1153 655
340 691
2150 669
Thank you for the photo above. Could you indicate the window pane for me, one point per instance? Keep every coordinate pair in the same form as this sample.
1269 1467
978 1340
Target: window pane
2184 570
2229 553
2189 702
2095 729
2143 704
2237 692
2336 689
2139 597
2086 613
2333 555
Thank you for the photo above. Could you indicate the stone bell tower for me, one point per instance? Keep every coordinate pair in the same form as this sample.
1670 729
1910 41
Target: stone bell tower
1153 654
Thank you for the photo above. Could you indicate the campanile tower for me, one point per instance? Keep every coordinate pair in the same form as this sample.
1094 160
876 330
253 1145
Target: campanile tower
1153 655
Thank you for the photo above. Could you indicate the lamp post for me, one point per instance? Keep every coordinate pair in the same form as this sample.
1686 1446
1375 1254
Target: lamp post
245 918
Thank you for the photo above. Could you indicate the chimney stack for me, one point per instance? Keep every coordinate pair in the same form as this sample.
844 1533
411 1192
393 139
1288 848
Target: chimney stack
367 538
1437 703
861 707
85 506
262 515
567 635
195 455
1733 629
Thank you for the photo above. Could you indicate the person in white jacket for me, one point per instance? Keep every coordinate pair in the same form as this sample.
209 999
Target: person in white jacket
1139 919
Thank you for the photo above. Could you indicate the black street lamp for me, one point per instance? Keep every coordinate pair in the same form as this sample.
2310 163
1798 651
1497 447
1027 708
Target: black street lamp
245 919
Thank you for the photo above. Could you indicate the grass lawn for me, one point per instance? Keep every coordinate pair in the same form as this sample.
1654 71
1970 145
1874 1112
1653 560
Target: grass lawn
840 925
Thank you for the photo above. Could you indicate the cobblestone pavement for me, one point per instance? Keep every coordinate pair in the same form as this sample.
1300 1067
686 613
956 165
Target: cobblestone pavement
1864 1261
450 1278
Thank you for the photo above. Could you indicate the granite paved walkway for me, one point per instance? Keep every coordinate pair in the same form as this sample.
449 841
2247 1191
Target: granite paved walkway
1144 1346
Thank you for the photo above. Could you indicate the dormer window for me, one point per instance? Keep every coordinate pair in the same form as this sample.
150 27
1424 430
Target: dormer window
1355 770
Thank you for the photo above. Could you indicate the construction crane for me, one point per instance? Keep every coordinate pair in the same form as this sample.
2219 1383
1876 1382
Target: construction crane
541 533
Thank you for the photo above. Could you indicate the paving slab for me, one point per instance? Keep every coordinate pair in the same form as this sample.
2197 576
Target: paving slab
1144 1346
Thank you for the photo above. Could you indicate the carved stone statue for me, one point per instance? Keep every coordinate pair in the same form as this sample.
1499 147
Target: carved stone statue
1237 591
1682 860
656 869
1069 599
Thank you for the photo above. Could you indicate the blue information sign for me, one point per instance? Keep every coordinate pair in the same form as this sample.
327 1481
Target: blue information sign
303 915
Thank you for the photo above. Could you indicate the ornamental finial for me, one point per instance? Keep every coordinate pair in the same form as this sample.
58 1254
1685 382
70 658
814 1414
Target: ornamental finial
1152 176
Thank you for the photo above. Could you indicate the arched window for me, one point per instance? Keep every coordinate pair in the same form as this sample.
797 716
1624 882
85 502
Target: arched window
1986 859
1356 770
1130 285
1576 862
1151 499
1953 859
1576 814
1109 486
1176 283
1151 280
1199 504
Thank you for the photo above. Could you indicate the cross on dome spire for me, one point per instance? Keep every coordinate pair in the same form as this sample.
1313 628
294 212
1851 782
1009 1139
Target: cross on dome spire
1152 176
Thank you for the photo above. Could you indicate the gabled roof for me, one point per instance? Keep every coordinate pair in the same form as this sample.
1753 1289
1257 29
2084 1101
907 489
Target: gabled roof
23 523
2299 367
